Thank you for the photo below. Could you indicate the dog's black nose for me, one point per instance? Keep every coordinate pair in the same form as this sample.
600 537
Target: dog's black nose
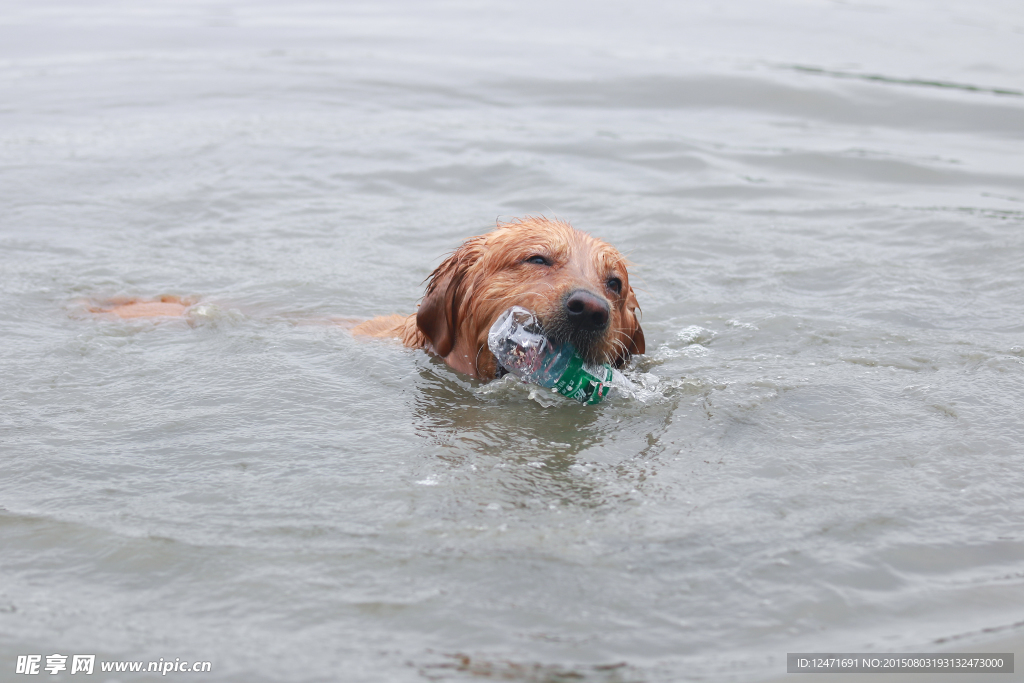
587 311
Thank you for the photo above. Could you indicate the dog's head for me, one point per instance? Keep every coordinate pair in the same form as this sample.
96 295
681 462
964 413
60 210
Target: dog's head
577 285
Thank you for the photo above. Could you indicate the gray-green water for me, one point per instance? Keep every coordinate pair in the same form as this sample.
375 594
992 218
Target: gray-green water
824 204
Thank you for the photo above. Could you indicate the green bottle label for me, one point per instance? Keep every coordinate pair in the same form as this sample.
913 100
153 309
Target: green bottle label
580 384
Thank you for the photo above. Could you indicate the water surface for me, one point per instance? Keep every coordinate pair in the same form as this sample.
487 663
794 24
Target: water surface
823 201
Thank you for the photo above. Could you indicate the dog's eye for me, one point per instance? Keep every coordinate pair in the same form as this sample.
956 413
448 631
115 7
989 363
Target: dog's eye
615 284
539 260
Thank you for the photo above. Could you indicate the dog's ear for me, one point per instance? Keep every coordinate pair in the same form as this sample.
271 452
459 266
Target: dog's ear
438 314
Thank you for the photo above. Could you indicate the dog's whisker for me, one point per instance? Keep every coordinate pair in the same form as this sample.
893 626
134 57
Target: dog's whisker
476 360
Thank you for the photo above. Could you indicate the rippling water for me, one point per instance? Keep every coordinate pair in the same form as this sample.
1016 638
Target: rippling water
823 201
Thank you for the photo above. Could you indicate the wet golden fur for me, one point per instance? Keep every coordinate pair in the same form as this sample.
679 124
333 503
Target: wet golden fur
490 273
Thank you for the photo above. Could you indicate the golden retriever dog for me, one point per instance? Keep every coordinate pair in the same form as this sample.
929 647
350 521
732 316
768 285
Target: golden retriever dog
576 285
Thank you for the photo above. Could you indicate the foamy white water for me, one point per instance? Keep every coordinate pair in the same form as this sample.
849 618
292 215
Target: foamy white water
824 204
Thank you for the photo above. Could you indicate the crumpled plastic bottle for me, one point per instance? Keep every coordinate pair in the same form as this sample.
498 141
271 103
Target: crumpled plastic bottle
518 341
